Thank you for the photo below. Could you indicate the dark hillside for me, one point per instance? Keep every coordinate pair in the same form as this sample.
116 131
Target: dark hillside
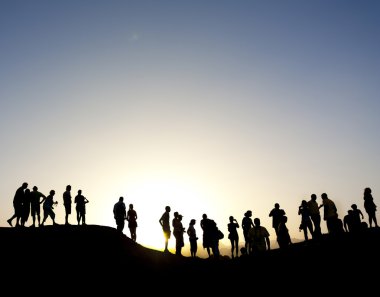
96 259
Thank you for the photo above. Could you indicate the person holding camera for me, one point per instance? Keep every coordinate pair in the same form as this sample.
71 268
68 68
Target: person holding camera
233 236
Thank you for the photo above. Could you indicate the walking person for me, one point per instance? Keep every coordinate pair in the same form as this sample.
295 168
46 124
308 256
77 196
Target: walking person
120 214
18 201
132 221
48 206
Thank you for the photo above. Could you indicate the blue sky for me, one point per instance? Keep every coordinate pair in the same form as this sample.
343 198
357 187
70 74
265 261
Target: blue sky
211 107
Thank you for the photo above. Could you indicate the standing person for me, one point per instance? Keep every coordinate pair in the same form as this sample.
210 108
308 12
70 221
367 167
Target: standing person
276 213
306 223
315 215
18 200
25 207
120 214
178 231
330 214
165 224
246 225
370 207
35 205
67 201
81 202
233 236
207 234
259 237
48 207
283 237
192 238
132 221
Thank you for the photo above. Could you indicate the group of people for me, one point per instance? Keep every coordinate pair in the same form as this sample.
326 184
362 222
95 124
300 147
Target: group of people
26 203
257 237
121 215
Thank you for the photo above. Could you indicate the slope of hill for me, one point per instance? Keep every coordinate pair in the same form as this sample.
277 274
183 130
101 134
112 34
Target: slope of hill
96 258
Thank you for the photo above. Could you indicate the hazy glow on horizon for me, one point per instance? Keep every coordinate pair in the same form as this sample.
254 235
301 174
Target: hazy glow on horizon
210 107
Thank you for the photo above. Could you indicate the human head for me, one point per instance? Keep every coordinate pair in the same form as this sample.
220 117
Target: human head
313 197
257 221
35 188
324 196
167 208
121 199
192 222
24 185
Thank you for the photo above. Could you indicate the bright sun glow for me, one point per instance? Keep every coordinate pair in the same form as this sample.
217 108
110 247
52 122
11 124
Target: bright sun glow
150 196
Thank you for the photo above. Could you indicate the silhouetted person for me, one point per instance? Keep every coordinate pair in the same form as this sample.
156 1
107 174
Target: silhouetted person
67 202
35 205
370 207
165 224
17 204
259 237
246 225
315 215
330 214
357 217
80 207
25 207
233 236
243 252
207 234
283 237
306 223
178 231
132 221
347 221
120 214
192 238
48 206
276 213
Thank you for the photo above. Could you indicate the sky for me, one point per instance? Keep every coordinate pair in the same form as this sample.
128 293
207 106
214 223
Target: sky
213 107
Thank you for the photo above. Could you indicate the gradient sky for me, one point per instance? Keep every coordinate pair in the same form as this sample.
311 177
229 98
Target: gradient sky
210 107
